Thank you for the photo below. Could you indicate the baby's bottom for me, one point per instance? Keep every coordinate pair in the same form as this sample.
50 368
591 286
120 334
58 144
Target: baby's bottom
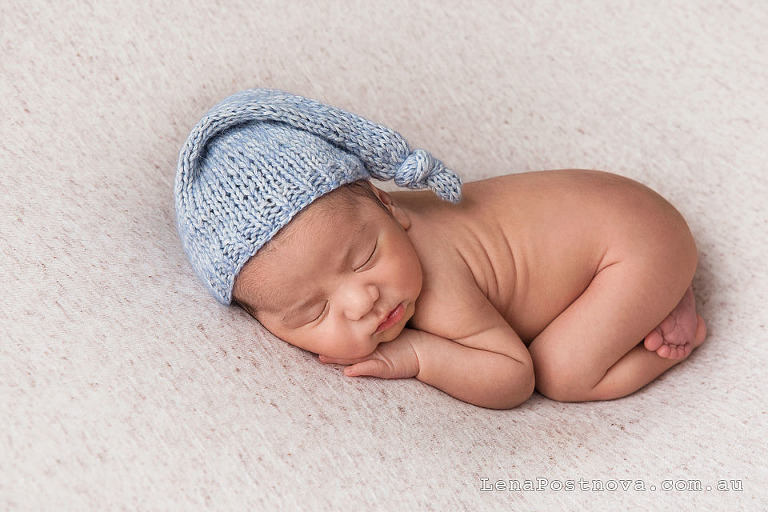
594 350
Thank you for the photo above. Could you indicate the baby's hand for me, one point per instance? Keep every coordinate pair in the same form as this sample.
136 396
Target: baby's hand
392 360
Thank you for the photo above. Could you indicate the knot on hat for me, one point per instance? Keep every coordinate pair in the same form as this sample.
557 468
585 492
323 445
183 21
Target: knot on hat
421 170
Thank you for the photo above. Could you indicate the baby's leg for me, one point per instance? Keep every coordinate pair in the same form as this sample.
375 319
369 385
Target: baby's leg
674 337
593 350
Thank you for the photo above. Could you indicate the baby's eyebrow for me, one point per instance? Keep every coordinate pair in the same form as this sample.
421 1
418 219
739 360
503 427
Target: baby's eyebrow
358 233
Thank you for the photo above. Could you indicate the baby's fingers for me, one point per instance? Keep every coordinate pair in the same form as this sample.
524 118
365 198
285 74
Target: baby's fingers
370 367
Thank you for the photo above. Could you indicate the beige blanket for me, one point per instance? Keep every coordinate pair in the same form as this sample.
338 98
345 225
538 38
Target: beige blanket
124 386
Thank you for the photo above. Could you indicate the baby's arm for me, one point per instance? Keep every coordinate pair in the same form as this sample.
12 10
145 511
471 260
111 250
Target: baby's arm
479 376
498 377
489 366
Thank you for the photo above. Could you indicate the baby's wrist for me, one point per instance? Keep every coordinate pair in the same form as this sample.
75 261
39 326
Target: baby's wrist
423 344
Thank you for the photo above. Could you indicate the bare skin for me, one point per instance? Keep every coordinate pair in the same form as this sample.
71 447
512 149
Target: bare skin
674 337
577 282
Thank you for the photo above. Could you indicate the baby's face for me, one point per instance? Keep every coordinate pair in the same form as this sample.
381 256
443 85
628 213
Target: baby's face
340 279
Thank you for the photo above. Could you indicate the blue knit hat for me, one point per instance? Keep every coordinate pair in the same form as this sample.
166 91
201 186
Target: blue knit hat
261 156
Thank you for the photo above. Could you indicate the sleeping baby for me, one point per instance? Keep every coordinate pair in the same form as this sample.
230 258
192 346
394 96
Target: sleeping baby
575 283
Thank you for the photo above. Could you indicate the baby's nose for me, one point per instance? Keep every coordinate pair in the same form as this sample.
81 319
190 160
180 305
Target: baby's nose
360 300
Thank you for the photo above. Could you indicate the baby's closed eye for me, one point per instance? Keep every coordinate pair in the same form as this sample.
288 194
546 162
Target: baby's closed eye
320 315
367 263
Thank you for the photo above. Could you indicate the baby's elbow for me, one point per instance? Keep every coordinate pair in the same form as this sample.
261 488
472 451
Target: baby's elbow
518 387
526 384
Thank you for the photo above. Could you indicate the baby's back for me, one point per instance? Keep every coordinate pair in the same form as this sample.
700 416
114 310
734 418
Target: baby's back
533 242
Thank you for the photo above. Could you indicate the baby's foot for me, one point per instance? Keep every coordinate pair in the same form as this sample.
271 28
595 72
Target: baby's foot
679 333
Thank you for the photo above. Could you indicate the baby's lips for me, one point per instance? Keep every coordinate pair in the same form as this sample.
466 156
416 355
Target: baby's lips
392 318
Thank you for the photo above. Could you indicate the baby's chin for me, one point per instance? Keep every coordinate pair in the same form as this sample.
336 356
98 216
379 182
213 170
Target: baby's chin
385 337
391 334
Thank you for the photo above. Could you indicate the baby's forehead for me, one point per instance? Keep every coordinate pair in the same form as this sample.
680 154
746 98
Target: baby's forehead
338 214
328 216
318 238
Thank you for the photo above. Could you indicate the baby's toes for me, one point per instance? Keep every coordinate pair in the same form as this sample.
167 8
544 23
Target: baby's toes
674 352
654 340
680 351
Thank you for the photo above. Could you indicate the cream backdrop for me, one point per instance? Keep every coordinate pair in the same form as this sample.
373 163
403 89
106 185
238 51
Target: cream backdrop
124 386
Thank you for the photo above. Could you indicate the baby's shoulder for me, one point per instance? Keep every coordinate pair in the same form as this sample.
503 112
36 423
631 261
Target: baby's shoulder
450 302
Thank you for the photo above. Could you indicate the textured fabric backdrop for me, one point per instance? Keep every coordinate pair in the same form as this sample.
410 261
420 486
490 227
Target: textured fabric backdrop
124 386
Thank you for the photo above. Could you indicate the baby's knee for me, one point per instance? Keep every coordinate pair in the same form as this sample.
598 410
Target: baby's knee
560 380
560 389
676 251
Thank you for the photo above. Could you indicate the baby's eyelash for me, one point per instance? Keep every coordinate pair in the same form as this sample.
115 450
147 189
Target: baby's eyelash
370 257
318 317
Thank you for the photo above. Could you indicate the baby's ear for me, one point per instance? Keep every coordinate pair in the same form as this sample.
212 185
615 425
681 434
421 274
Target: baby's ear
398 213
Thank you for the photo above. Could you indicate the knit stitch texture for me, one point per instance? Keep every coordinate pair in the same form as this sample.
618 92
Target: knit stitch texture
259 157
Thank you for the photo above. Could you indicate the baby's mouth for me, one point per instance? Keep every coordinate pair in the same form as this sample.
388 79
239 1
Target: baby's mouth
394 316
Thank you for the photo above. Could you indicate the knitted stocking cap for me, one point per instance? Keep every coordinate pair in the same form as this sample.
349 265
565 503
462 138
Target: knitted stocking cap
261 156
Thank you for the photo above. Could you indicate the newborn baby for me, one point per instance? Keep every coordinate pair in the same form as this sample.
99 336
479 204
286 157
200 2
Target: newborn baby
575 282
